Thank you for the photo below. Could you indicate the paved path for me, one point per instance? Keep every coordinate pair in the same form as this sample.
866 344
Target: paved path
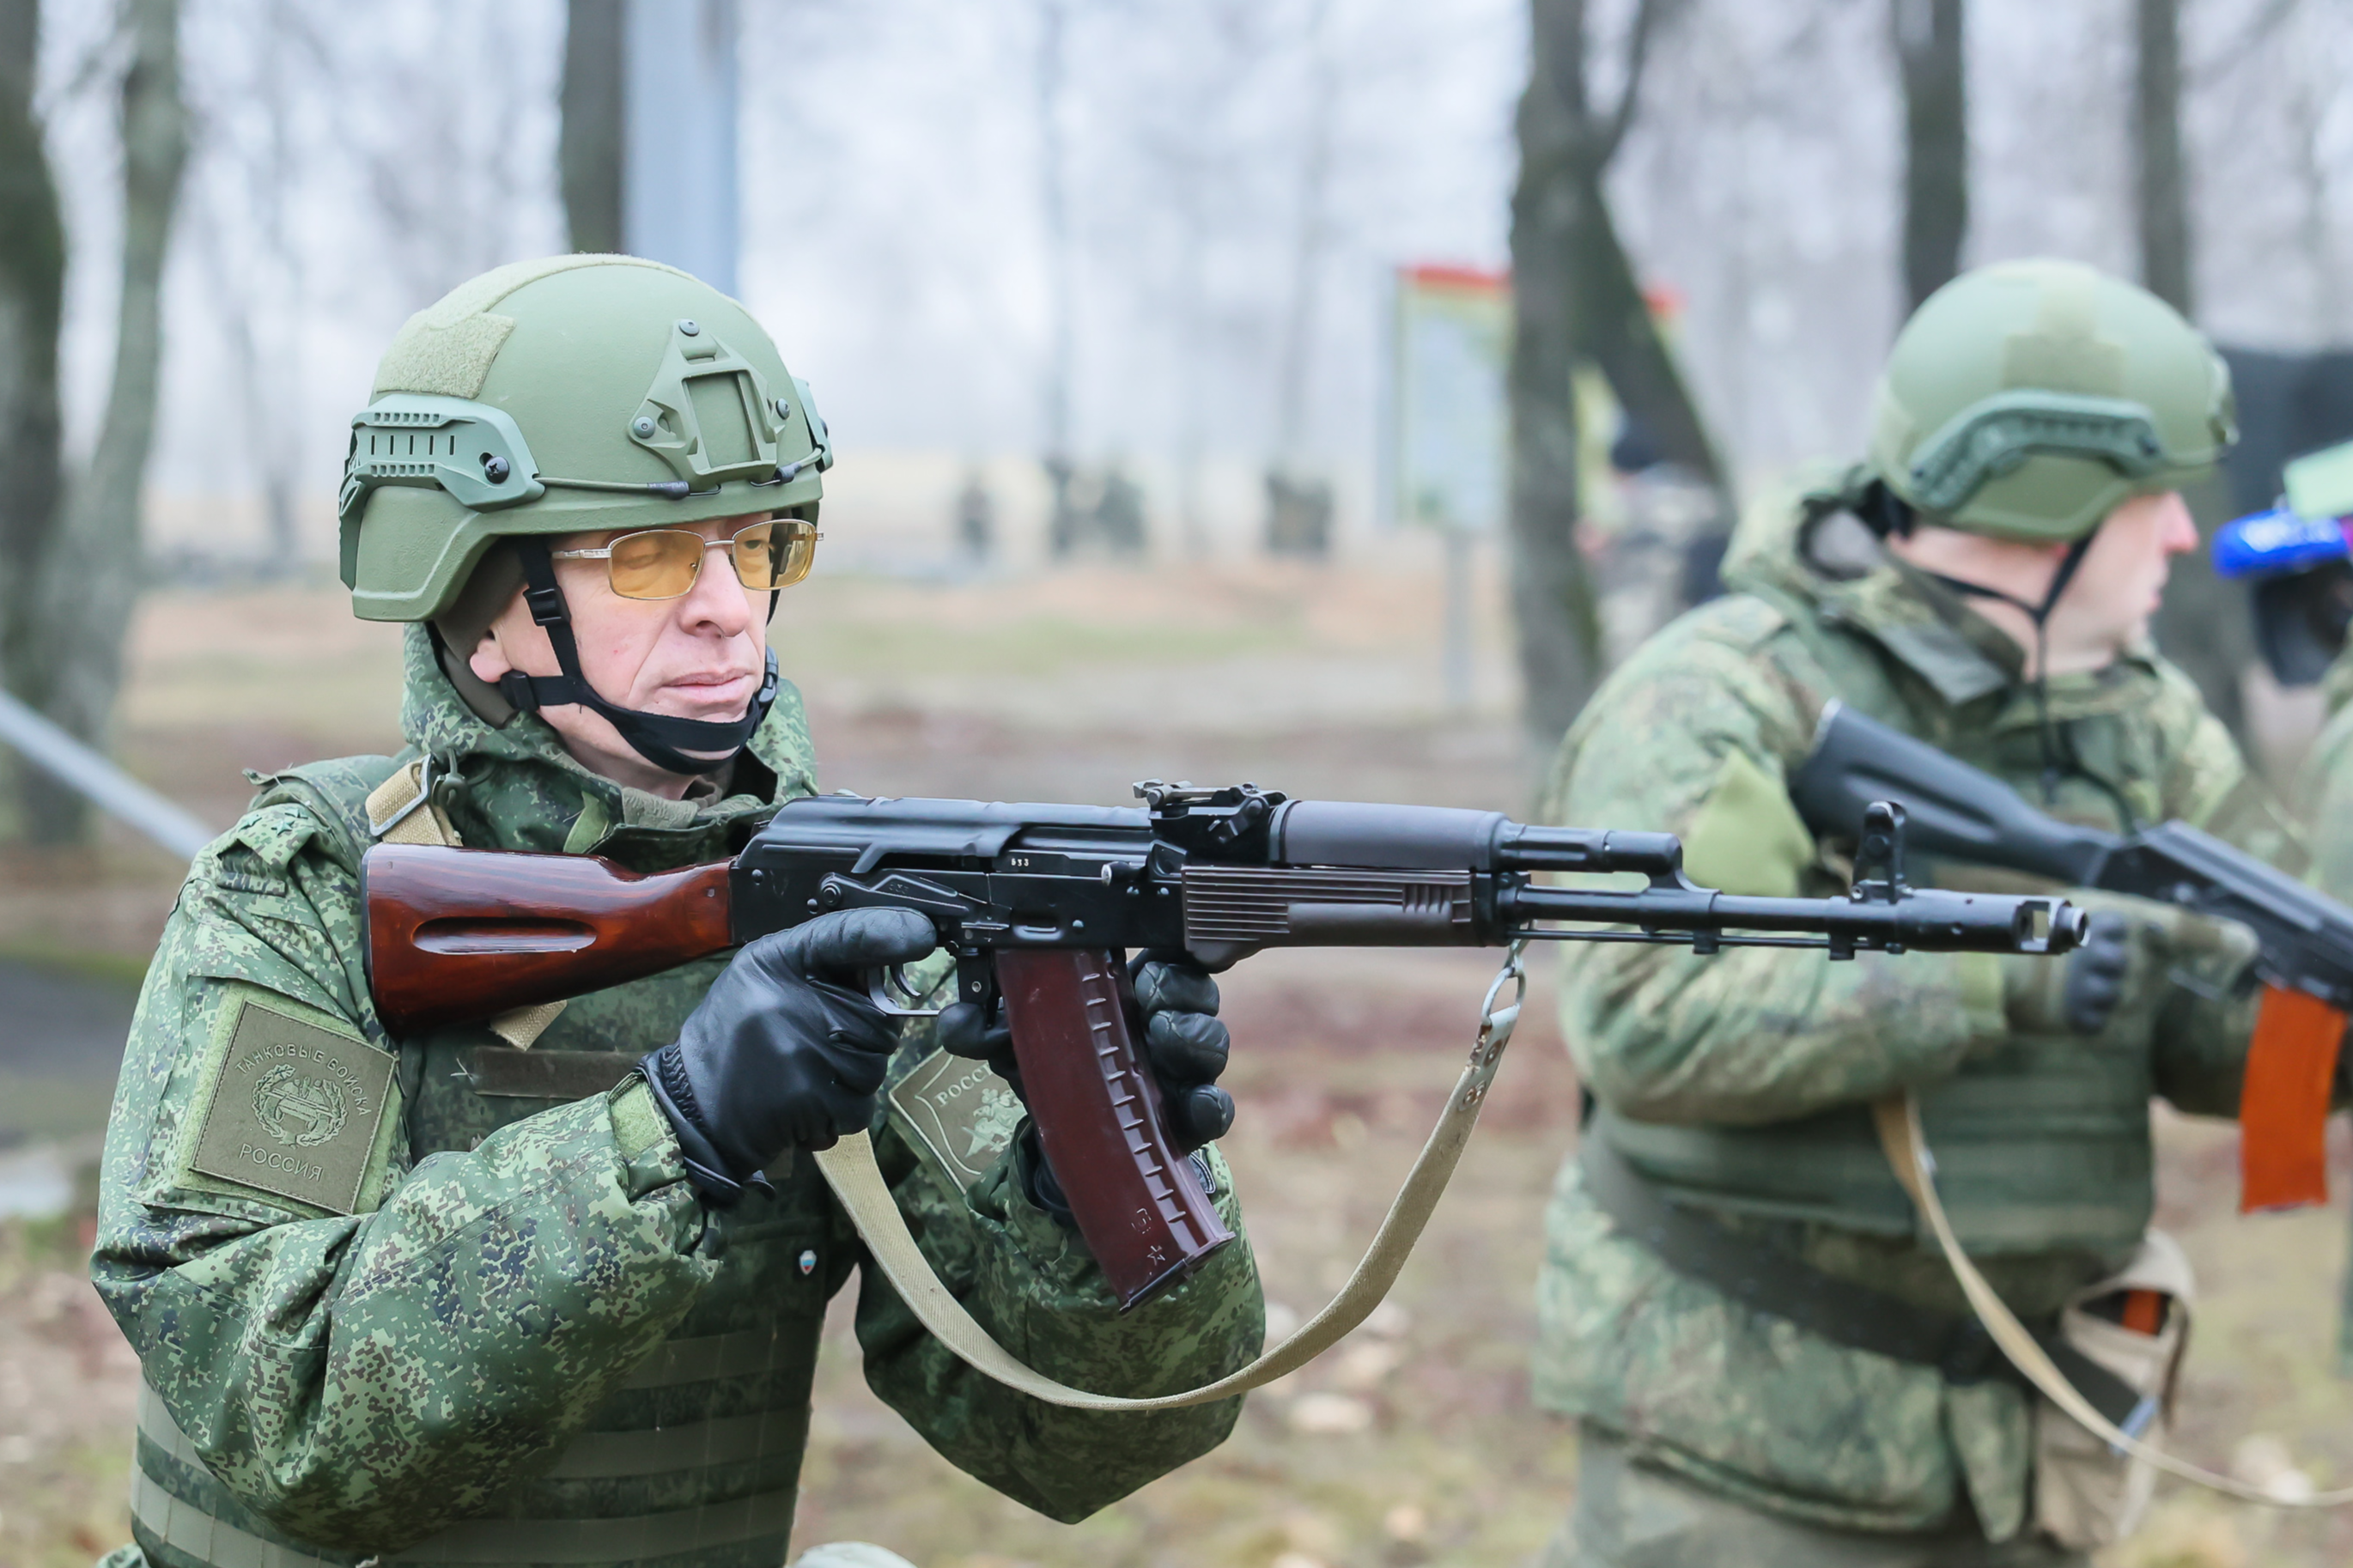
58 1025
61 1047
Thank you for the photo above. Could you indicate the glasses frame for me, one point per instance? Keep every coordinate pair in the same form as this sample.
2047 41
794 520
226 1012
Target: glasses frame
791 525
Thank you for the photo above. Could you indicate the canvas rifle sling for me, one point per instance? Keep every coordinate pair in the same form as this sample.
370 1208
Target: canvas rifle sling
1897 1118
849 1166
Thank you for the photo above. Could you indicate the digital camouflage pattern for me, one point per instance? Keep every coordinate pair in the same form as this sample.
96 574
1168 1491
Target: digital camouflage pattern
1695 735
1634 1516
352 1384
2329 786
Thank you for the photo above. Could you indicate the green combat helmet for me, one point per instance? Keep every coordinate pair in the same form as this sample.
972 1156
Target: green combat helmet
2027 399
566 396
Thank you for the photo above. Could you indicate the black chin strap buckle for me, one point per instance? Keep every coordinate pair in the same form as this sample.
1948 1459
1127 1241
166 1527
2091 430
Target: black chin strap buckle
517 688
546 602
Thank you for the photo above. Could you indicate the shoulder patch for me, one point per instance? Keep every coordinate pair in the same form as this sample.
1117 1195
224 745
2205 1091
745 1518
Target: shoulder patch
963 1115
331 796
1748 838
295 1108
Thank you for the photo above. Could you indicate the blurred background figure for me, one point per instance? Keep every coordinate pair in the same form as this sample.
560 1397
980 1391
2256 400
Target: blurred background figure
1662 555
1098 513
975 520
1298 515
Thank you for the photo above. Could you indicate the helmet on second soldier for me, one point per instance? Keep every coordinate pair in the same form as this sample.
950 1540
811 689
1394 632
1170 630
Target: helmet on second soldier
577 394
2027 399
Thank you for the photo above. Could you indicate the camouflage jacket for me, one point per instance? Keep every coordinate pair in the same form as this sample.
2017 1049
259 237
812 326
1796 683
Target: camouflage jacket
442 1292
2328 785
1777 1052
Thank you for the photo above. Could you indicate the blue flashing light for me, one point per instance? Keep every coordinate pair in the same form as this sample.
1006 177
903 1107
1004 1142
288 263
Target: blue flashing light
2275 542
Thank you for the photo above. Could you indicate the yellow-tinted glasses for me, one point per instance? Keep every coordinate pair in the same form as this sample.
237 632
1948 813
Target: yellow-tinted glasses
663 563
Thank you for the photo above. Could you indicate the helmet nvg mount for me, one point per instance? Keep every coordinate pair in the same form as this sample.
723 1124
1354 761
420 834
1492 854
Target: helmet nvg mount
566 396
2025 400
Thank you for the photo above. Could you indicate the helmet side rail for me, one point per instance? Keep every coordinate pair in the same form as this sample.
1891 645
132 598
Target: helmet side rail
1036 901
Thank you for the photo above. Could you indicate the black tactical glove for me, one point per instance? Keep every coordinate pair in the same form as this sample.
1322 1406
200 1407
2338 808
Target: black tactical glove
2142 965
786 1050
1184 1045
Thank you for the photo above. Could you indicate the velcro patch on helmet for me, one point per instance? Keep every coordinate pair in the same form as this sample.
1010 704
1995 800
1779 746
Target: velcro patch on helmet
448 346
452 361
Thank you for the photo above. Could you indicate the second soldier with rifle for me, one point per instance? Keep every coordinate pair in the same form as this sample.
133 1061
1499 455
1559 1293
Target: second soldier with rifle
1771 1361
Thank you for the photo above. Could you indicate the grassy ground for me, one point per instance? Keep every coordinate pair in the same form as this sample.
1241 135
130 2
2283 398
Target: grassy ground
1413 1443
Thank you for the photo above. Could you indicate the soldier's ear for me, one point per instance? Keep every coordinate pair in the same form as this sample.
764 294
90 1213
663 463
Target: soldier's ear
488 658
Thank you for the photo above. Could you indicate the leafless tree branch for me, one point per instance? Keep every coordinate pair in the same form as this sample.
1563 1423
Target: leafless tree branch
1648 16
2238 50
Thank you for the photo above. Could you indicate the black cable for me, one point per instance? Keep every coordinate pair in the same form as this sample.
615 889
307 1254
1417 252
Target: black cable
2040 614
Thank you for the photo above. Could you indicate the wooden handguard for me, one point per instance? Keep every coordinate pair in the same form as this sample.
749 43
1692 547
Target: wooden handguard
1139 1203
455 935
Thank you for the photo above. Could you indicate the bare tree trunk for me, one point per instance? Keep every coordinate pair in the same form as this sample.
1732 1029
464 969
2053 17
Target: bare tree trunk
1552 595
1054 201
591 104
1055 205
92 575
1616 331
32 292
1574 295
2160 181
1931 55
2204 625
1308 244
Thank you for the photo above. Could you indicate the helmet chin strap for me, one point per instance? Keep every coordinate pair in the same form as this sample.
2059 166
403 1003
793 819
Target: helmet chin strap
2039 613
659 738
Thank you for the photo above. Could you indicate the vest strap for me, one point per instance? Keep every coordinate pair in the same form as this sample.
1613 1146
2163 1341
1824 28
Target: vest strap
186 1527
501 1073
1897 1119
706 1359
1766 1280
658 1450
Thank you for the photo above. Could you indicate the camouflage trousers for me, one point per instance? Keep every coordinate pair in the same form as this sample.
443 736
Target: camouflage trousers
1629 1515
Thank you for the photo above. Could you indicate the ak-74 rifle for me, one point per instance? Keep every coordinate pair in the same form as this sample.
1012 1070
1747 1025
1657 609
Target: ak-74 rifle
2304 957
1037 902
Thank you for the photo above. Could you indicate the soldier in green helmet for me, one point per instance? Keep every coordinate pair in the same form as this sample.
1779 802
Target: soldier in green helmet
548 1290
1770 1361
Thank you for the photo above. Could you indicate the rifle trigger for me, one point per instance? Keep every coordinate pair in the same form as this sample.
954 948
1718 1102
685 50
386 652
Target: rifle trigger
889 989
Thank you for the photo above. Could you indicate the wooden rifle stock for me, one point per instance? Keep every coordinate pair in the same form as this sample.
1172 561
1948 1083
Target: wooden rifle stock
457 936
